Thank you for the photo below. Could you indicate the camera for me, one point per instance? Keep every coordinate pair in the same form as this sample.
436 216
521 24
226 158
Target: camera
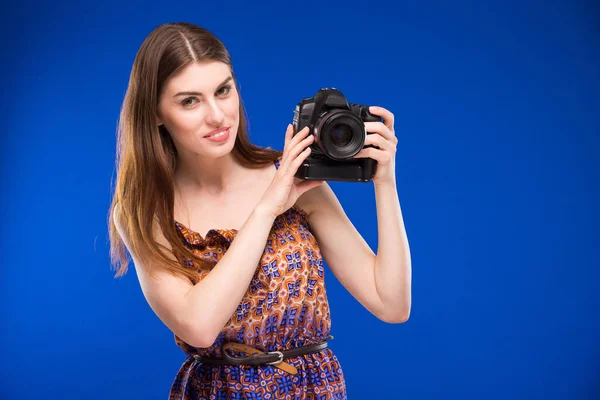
339 131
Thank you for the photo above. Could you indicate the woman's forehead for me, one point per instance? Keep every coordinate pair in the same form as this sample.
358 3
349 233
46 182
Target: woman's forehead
201 77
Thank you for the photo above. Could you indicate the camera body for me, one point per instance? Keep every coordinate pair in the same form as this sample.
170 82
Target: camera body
339 131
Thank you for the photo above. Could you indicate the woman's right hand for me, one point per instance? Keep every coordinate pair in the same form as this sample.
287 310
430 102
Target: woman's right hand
285 188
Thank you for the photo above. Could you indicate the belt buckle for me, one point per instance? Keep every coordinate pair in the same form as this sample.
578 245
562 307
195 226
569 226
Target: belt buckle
280 354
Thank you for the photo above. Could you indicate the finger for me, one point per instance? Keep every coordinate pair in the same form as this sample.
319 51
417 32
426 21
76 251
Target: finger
300 136
297 162
298 150
295 137
365 153
292 143
376 154
381 142
295 151
288 134
388 117
381 156
379 127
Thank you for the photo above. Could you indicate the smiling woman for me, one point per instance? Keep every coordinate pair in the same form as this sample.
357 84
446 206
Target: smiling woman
228 245
189 115
184 155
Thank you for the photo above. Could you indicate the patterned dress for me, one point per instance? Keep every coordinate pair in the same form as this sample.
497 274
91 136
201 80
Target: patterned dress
284 307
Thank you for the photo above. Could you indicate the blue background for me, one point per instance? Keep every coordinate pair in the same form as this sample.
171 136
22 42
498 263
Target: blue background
497 114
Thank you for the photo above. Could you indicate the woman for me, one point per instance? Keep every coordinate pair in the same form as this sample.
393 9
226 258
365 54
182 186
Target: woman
251 313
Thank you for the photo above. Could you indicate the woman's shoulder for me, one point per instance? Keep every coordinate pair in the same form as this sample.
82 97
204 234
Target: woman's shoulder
117 216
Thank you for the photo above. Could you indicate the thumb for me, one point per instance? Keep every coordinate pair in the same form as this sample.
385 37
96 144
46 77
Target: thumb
305 186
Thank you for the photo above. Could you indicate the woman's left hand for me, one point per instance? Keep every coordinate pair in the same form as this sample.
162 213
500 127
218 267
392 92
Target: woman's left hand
382 136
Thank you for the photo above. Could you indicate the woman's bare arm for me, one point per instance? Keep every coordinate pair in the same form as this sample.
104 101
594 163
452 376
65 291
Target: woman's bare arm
197 313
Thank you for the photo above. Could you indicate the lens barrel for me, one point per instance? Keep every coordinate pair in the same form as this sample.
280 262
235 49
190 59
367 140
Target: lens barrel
339 134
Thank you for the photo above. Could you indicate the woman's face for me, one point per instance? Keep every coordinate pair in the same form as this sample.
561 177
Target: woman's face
200 102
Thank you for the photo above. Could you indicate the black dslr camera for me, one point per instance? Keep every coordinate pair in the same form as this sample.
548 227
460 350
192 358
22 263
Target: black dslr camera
339 132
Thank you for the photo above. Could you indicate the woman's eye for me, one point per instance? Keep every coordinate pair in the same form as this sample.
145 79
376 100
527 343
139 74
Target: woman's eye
188 102
224 90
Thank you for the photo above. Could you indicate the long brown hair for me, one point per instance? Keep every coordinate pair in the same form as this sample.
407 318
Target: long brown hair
147 157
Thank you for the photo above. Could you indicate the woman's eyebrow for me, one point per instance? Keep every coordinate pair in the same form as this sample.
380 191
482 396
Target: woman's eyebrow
200 94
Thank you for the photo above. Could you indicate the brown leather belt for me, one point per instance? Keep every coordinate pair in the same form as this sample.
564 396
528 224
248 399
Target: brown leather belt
258 357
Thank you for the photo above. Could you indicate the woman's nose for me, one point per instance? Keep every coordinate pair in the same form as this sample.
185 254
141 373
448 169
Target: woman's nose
215 115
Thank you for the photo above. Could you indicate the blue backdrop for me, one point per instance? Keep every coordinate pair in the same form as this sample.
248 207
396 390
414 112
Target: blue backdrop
497 114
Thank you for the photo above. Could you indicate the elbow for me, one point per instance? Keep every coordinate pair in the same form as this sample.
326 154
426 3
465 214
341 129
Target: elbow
396 316
201 341
200 327
200 336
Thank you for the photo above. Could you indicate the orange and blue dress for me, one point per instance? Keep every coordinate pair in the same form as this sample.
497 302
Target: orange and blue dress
285 307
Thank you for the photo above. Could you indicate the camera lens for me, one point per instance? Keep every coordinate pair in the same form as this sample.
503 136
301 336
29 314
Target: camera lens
341 135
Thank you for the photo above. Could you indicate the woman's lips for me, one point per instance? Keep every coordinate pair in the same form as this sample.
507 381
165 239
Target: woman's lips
219 135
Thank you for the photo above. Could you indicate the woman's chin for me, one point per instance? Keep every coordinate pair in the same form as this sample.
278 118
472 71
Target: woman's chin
218 151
